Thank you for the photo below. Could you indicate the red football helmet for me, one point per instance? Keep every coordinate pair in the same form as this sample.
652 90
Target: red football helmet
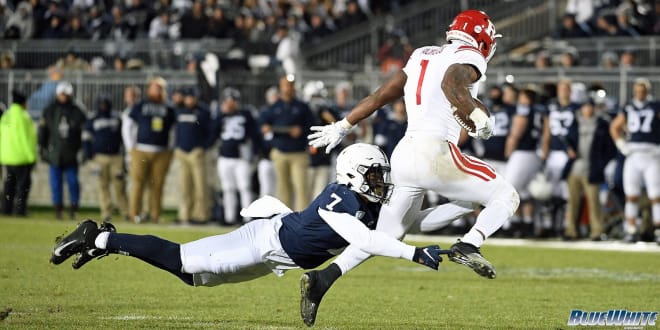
475 28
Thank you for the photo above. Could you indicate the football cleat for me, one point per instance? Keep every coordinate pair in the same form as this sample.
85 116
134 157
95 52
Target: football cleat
80 239
311 293
89 254
470 255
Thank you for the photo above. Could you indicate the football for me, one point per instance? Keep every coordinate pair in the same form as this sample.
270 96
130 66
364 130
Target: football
463 118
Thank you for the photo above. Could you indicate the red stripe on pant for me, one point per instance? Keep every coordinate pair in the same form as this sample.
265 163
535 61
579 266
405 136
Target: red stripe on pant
471 166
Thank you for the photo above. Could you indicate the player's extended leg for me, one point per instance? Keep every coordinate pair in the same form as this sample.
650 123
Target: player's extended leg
652 183
151 249
474 180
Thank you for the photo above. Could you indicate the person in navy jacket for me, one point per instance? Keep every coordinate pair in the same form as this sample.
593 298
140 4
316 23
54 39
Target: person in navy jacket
102 145
192 135
289 120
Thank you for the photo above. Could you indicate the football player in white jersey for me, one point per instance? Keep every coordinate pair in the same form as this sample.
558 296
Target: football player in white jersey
435 82
641 118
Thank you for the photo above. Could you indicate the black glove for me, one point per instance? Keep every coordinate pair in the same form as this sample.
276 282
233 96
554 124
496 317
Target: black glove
428 256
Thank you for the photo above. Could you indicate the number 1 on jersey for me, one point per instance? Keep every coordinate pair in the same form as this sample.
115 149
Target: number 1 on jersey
424 63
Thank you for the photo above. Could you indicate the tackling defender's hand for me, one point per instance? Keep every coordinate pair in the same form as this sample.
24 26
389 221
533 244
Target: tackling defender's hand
483 124
329 135
428 256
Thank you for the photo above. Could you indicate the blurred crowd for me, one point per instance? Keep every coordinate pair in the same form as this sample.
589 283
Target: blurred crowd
563 146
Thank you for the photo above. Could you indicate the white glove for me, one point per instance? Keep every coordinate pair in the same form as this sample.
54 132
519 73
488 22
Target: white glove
622 145
329 135
482 123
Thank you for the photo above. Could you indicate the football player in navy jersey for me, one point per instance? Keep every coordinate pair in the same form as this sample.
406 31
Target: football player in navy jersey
275 242
641 118
523 162
557 148
240 138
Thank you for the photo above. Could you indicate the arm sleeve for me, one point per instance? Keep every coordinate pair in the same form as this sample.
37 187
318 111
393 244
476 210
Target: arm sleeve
369 241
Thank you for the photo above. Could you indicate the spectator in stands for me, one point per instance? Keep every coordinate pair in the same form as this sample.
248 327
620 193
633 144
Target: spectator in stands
239 139
656 26
606 26
102 145
60 133
150 153
570 28
609 60
159 28
318 30
581 10
219 26
120 28
568 59
57 28
586 171
77 30
98 24
20 24
6 60
352 16
46 92
192 138
72 62
289 120
18 153
137 13
394 53
288 49
542 60
265 170
627 58
624 14
194 22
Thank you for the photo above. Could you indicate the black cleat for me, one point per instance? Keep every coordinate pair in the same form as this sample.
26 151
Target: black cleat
80 239
89 254
311 293
470 255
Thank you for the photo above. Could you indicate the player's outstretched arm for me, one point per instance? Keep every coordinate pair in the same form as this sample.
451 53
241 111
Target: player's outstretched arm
379 243
332 134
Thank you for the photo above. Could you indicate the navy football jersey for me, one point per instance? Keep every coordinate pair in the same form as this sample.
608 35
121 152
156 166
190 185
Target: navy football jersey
562 122
494 147
643 122
535 116
239 134
309 240
102 134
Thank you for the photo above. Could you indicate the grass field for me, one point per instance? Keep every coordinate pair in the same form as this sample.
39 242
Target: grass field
536 288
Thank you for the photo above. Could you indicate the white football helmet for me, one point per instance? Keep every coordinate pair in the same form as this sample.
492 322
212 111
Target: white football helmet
365 169
540 187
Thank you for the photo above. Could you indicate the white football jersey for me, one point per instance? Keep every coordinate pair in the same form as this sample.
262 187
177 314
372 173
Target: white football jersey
428 109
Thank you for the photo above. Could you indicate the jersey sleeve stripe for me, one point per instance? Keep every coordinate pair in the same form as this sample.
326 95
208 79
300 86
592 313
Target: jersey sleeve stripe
471 166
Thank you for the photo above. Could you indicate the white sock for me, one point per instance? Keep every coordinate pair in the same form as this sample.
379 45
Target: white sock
655 210
473 237
101 241
631 210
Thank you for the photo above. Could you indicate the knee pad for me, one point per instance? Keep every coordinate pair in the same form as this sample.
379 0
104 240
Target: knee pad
506 197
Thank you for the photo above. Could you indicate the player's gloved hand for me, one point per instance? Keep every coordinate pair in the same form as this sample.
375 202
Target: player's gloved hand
482 123
329 135
428 256
622 145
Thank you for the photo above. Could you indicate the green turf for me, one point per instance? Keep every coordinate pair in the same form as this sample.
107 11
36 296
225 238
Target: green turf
535 289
